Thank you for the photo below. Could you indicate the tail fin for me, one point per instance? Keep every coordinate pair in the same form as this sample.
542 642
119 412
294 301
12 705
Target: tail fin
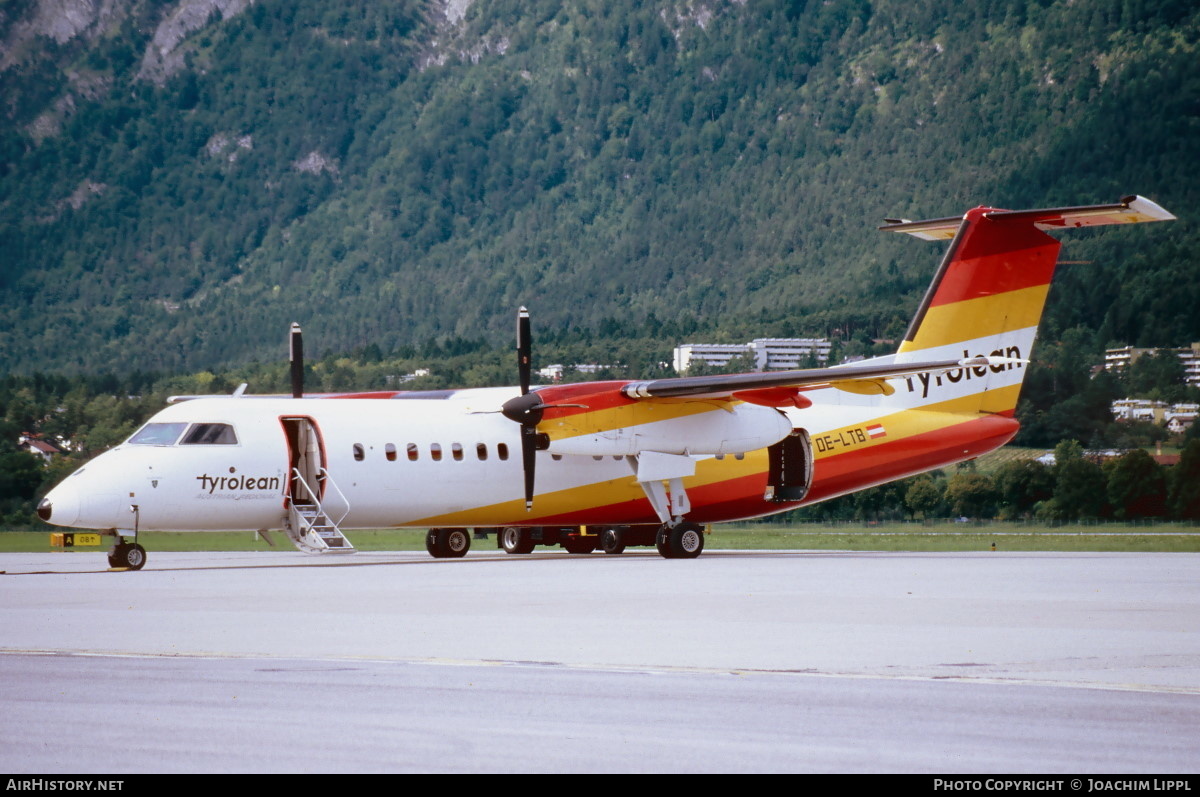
990 289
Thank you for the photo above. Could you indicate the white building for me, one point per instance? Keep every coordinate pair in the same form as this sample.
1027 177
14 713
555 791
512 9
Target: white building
1116 359
1138 410
1191 364
1176 417
554 372
770 354
717 355
785 354
1181 417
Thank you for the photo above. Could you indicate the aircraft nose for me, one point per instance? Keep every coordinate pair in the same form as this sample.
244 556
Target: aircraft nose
60 507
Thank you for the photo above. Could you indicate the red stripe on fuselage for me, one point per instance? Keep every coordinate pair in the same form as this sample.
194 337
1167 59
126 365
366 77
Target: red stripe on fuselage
732 499
868 467
594 395
743 497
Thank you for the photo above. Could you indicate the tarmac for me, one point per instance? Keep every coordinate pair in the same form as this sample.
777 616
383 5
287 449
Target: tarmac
734 662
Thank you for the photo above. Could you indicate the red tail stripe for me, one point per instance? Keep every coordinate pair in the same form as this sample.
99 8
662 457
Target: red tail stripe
997 257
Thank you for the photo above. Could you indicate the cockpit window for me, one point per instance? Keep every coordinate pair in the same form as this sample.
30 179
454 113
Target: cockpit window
209 434
157 434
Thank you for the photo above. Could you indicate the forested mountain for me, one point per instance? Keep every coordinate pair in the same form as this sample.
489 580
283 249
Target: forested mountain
180 179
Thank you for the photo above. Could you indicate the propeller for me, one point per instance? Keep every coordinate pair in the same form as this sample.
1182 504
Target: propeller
526 409
296 355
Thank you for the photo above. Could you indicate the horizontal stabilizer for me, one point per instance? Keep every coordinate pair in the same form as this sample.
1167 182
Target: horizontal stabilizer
1130 210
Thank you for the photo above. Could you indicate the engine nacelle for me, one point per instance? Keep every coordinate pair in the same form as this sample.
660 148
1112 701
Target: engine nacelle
668 427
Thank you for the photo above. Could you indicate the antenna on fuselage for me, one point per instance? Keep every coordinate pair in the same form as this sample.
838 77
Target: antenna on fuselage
296 355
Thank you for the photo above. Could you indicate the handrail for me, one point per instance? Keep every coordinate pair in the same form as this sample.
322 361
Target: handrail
329 480
316 500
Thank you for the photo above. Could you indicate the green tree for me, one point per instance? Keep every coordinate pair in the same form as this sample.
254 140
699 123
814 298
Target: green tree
1021 486
20 475
1158 376
1079 485
1136 487
971 494
925 498
1185 483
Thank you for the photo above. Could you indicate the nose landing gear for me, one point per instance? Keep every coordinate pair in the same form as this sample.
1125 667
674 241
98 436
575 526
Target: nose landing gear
127 555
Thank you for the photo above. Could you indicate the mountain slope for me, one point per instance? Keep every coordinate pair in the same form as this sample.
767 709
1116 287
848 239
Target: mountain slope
398 172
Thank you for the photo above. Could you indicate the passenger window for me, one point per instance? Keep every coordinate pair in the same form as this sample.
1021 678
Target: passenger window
456 451
413 452
358 452
556 457
481 451
389 451
209 434
157 434
739 456
502 450
435 451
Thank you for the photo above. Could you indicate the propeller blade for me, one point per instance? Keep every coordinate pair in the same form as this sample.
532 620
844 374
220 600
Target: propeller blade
525 409
524 349
528 460
296 355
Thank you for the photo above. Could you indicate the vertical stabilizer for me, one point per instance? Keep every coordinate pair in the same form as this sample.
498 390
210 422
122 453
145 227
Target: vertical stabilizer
989 292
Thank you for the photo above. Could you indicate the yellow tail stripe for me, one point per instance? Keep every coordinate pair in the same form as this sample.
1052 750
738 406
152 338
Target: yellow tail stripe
979 318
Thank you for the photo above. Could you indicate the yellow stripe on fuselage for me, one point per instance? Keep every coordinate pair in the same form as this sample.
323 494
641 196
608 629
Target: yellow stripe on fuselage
897 425
908 423
594 495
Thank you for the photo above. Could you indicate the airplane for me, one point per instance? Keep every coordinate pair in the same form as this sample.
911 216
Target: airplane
603 464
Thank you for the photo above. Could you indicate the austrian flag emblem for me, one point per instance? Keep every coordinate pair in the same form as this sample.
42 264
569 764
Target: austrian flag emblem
876 430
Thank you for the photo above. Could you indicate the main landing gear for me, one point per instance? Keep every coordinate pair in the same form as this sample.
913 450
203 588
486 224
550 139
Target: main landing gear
516 540
677 540
448 543
682 541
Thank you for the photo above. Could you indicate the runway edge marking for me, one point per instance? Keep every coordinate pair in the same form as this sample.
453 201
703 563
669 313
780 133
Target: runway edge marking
647 669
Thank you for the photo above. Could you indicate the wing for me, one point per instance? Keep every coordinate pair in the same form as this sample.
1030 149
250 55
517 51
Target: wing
782 388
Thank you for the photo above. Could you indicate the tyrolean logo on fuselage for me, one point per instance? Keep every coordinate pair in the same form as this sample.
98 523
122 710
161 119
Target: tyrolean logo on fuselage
234 484
959 374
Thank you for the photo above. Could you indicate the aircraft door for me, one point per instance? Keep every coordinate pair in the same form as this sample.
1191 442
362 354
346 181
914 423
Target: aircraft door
306 460
791 466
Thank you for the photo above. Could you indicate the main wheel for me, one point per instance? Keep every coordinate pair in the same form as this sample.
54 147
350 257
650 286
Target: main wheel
686 541
458 542
662 542
516 540
435 543
612 542
128 554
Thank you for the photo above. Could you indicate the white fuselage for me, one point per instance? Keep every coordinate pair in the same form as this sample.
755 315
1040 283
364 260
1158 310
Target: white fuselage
391 462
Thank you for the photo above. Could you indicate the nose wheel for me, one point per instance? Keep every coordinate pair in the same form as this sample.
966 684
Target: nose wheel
128 555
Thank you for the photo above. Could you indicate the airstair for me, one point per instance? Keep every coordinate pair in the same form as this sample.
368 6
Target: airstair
308 525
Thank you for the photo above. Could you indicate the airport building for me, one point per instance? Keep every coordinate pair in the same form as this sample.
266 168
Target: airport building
769 354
